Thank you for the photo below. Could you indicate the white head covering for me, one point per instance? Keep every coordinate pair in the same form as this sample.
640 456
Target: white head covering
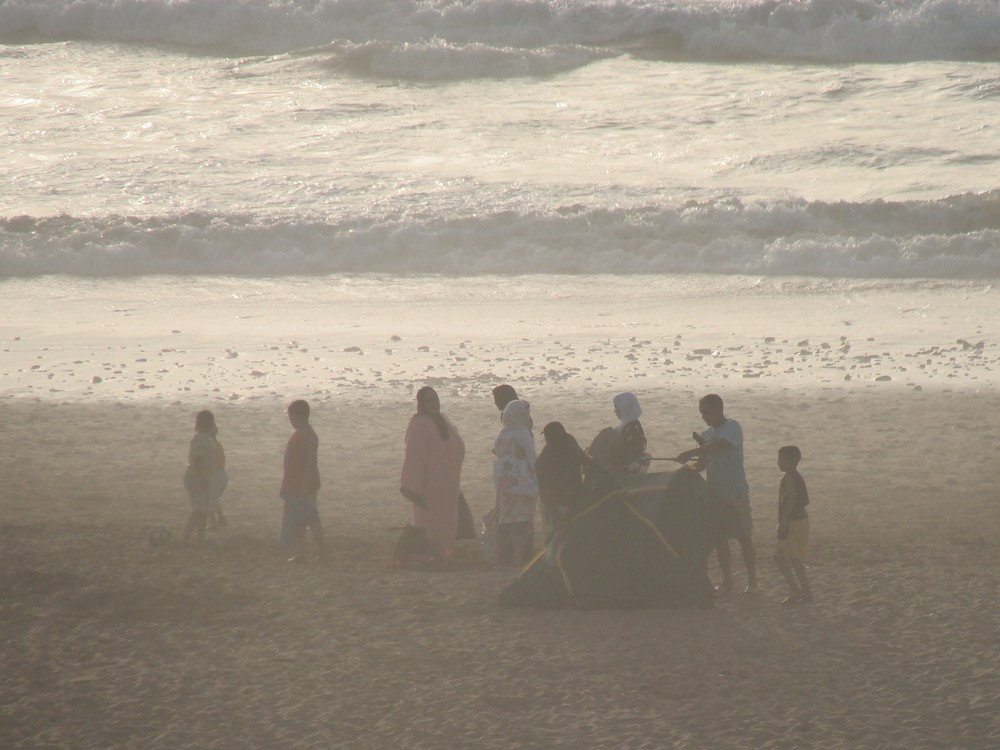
516 414
628 409
516 430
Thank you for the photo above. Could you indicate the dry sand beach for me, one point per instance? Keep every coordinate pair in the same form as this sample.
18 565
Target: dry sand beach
891 391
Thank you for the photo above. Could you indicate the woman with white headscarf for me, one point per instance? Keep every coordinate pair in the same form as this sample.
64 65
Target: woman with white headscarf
516 485
629 454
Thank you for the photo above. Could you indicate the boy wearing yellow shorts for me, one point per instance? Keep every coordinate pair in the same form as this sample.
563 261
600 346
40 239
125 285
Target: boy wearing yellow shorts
793 526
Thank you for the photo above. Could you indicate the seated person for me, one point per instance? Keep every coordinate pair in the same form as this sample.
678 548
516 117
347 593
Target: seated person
604 448
629 454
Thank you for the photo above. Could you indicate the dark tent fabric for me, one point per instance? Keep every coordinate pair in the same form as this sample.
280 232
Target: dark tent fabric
638 541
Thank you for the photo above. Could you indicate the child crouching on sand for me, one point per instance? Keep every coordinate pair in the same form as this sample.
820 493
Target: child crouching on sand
793 526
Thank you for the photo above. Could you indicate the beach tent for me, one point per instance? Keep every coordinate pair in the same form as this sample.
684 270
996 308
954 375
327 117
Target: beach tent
637 542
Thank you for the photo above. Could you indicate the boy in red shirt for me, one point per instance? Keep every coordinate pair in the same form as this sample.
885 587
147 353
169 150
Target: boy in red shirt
300 485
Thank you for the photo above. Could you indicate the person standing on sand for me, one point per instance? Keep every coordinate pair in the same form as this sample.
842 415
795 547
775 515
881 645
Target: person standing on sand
559 469
503 395
220 479
516 485
198 476
432 472
300 485
793 526
720 453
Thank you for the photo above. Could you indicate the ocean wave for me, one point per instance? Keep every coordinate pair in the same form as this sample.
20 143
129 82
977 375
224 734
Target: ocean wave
954 238
438 60
821 31
828 32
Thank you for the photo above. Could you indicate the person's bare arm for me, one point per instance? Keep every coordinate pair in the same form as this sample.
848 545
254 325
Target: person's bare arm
704 450
791 491
414 497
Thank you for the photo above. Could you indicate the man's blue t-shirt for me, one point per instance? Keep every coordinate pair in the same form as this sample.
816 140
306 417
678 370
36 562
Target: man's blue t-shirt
724 468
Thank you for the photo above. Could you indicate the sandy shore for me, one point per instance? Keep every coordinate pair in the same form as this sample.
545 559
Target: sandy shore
109 642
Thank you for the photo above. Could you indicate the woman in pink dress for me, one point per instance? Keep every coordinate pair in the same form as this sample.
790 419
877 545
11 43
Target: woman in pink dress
432 471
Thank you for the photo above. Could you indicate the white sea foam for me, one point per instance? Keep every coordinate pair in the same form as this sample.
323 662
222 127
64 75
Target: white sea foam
828 31
499 137
954 238
438 60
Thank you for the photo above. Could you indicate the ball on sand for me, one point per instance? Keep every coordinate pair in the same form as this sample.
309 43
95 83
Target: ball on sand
159 535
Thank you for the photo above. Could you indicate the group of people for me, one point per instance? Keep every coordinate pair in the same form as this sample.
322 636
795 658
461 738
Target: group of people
432 466
719 452
431 481
205 480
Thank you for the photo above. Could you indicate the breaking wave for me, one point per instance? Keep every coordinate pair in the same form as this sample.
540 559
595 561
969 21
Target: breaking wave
461 36
953 238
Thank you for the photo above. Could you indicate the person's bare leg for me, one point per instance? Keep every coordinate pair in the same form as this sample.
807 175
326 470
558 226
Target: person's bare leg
726 563
786 570
196 525
750 561
188 530
800 572
298 548
317 535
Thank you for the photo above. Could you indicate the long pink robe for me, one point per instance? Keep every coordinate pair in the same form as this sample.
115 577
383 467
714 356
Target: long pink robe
433 468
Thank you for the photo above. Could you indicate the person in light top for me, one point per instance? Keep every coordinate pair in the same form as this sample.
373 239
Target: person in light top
720 454
516 485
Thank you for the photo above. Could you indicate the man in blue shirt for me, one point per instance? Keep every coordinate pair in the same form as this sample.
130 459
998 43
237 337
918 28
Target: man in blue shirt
720 453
